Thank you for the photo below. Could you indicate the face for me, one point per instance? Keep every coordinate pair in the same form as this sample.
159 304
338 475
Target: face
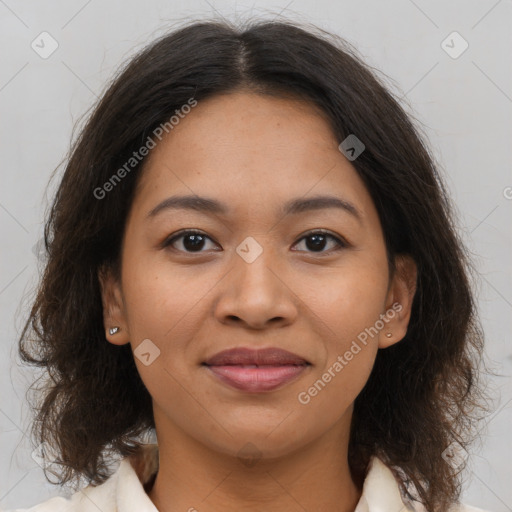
312 280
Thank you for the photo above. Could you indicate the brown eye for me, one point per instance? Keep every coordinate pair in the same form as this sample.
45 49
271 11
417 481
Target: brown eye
191 241
316 241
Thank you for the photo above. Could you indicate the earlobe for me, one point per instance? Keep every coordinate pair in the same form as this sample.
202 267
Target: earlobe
114 322
399 301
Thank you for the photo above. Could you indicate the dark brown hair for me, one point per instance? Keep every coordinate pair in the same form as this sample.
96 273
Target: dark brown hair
423 393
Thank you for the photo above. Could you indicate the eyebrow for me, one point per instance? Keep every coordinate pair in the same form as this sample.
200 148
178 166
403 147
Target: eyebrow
292 207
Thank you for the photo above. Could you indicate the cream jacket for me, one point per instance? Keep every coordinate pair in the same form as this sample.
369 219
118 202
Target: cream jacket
124 491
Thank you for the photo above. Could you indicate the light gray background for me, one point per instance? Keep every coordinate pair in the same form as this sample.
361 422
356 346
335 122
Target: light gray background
464 104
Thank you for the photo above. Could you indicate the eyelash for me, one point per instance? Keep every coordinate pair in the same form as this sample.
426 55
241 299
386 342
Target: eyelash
341 243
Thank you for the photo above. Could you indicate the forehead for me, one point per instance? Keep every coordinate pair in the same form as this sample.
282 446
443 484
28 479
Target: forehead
250 149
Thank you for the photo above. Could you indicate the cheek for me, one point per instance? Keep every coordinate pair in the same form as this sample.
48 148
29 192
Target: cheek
160 296
347 299
163 305
166 305
347 306
347 312
333 389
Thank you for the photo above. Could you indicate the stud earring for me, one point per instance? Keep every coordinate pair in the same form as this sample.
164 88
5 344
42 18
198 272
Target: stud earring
113 330
388 335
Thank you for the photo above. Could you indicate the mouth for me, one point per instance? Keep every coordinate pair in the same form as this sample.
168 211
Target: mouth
256 371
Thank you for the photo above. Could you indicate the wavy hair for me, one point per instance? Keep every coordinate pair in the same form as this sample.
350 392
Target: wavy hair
424 392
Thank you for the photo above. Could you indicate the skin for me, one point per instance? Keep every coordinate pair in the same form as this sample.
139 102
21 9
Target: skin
253 153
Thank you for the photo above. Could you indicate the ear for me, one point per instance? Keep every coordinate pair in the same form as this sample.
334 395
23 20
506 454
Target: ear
399 301
113 307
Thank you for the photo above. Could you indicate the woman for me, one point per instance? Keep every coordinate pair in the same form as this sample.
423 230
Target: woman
251 253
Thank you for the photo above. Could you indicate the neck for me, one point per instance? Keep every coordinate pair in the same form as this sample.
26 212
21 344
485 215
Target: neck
193 477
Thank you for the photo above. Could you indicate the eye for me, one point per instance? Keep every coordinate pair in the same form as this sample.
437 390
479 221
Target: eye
318 241
192 241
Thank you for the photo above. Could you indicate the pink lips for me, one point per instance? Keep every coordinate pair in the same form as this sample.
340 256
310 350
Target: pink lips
256 370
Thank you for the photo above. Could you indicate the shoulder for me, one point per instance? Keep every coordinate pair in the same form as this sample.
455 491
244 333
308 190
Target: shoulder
57 504
123 491
382 493
466 508
89 499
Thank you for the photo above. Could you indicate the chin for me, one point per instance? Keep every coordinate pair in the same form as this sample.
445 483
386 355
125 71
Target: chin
263 441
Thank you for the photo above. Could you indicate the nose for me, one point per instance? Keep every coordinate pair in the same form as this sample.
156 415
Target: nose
257 294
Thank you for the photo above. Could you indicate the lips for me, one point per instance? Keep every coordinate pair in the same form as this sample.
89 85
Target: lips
261 357
256 370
